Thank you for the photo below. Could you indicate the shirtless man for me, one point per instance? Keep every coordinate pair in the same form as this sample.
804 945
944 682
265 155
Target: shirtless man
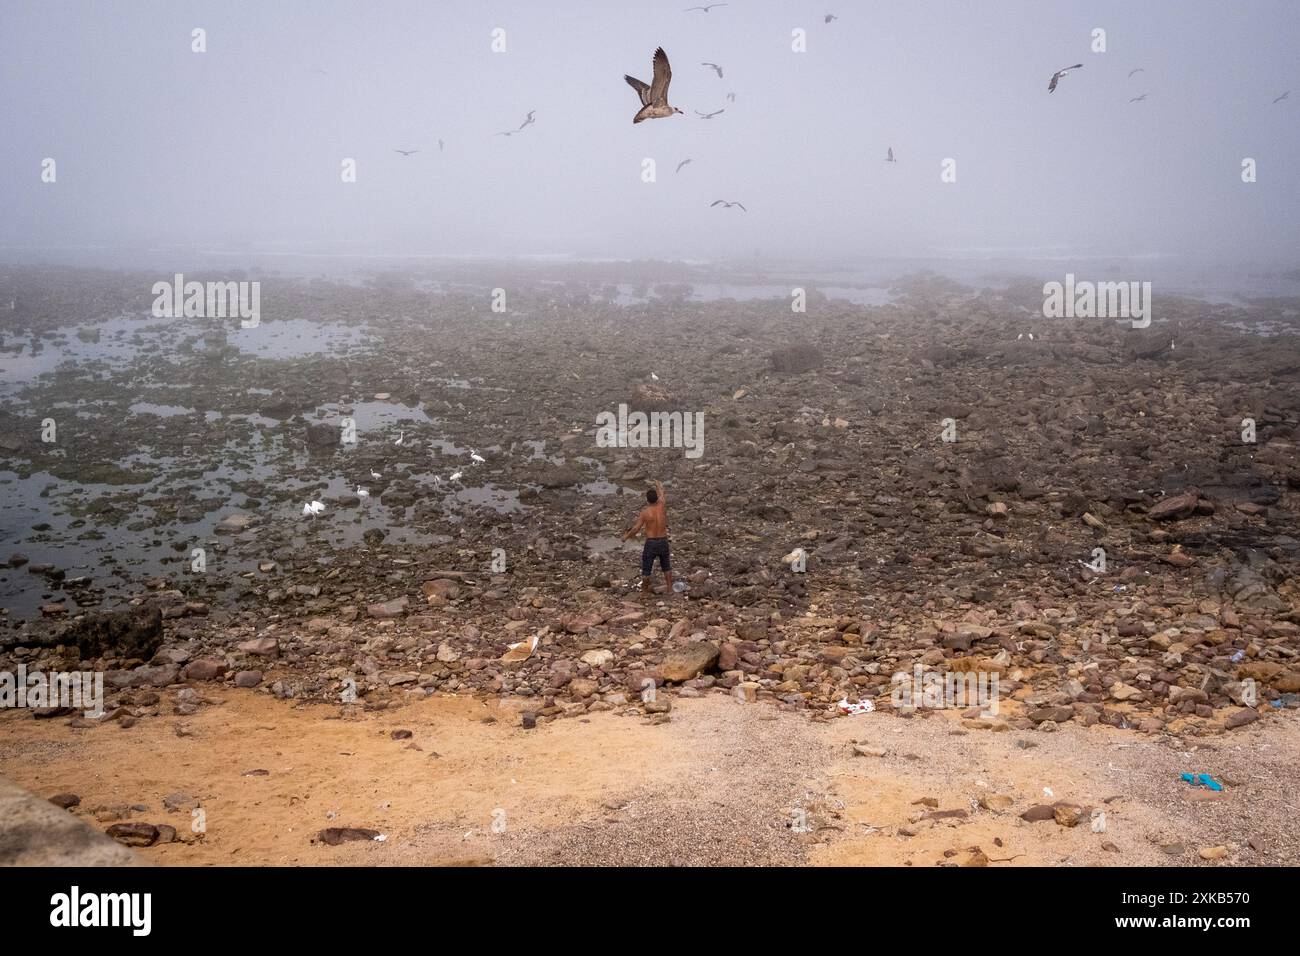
653 520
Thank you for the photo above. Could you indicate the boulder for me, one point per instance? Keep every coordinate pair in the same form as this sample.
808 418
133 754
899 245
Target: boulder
688 661
132 632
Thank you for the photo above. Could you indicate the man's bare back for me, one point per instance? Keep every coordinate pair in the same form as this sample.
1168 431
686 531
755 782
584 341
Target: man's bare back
653 520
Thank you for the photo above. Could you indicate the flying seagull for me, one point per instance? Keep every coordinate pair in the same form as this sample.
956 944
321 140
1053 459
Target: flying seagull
682 163
1282 97
1060 73
710 115
731 97
889 158
1138 99
313 508
728 205
706 9
528 120
406 152
440 146
714 67
1138 70
654 98
829 18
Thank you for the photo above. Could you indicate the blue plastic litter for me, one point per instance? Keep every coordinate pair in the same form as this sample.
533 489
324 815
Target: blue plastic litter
1238 656
1202 780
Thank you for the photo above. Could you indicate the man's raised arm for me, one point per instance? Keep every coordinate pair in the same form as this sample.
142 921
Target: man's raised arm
659 490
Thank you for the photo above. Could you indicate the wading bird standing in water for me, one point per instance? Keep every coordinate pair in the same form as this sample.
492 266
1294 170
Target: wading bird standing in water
654 98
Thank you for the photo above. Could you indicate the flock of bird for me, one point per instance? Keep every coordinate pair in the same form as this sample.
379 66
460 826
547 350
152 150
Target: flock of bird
315 508
655 105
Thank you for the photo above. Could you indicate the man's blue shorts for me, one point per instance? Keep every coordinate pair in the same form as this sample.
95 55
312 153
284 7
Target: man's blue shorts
655 548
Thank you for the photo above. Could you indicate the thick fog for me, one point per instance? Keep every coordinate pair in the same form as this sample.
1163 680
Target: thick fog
242 146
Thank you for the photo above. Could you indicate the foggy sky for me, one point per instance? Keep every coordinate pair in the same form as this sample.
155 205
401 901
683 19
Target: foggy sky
240 147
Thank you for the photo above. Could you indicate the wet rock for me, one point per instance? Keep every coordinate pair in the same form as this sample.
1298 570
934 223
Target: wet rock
132 632
322 436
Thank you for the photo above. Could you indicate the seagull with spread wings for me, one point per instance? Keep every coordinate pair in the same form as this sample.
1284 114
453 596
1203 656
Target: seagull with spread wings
654 97
726 205
406 152
1051 87
1282 97
683 163
706 9
1138 99
710 115
714 67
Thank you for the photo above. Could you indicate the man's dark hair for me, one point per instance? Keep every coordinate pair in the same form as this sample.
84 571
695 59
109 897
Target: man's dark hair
652 496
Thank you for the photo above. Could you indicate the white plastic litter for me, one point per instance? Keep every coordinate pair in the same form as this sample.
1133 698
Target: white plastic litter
864 707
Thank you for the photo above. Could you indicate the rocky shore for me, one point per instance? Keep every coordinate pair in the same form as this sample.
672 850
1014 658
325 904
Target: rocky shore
1172 449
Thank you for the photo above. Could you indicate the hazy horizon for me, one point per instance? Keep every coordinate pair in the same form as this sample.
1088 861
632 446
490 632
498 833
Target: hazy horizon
240 148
